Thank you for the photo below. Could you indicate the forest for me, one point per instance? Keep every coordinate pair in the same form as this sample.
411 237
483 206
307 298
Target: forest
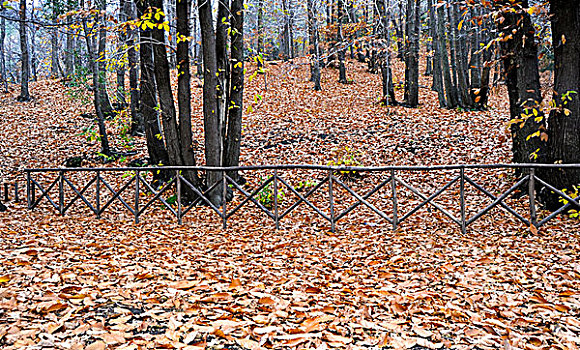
261 174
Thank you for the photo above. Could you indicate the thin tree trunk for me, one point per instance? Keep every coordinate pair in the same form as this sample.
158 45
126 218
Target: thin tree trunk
3 74
460 59
122 36
412 54
137 121
340 42
260 34
437 61
314 46
24 59
101 87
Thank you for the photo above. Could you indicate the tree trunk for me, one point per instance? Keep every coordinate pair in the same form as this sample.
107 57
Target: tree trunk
148 98
564 125
314 46
212 128
101 86
69 52
121 44
3 73
412 54
520 58
260 33
182 8
54 54
137 121
341 48
460 50
450 92
24 59
437 60
94 68
233 137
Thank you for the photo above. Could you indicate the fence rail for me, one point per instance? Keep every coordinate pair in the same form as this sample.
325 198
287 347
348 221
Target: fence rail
398 198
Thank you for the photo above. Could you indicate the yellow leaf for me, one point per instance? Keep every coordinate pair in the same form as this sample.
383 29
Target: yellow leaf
567 112
563 39
460 25
4 279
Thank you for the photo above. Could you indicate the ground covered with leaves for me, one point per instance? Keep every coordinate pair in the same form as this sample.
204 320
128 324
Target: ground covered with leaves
77 282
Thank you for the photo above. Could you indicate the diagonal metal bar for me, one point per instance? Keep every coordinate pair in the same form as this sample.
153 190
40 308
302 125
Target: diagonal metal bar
557 191
429 200
362 200
117 195
80 195
201 196
499 200
304 198
157 195
250 197
553 215
44 193
490 195
366 196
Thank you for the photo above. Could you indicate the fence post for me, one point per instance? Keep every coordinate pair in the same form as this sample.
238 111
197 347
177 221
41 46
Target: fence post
532 196
16 196
331 200
276 220
137 196
395 202
28 194
5 192
98 194
462 199
178 186
224 200
61 193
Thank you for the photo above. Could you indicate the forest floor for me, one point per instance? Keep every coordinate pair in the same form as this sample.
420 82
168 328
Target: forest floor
79 282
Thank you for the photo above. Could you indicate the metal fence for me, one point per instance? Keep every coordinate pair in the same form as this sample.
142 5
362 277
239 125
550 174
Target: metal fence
392 197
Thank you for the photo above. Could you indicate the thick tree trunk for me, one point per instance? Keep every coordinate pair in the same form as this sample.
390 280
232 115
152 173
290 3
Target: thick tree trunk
450 91
564 125
182 8
233 137
24 59
314 46
212 128
437 61
412 54
148 98
54 54
520 58
461 52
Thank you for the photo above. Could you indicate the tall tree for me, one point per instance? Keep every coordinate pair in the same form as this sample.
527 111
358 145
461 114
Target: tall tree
24 56
564 124
313 43
412 53
3 73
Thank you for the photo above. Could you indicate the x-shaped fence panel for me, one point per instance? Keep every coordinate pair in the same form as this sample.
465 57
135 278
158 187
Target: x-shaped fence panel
389 193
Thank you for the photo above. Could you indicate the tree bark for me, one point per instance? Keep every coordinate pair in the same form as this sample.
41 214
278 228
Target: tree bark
340 41
3 74
148 97
182 8
564 124
261 33
314 46
233 135
412 54
450 91
137 121
24 58
212 128
101 86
